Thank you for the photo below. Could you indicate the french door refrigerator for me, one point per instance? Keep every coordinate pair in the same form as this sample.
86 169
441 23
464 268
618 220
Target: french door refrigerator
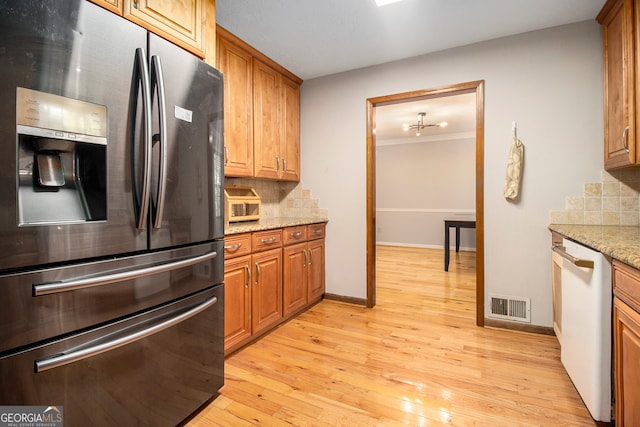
111 218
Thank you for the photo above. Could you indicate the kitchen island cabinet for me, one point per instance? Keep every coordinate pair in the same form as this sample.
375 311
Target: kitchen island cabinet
619 22
626 326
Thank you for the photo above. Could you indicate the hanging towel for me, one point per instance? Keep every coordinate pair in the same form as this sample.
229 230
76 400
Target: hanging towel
514 170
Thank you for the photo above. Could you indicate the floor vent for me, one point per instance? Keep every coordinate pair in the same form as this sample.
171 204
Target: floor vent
511 308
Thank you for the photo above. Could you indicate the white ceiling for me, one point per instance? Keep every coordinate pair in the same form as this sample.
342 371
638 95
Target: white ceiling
323 37
457 110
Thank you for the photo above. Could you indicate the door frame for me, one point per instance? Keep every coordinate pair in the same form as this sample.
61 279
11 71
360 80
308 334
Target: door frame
476 87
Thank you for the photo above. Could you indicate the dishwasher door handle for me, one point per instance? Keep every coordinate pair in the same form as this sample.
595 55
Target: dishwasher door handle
560 250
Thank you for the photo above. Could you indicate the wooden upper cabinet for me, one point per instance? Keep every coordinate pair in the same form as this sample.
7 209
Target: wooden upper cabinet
266 123
619 36
290 142
236 65
276 124
182 22
179 21
262 113
114 6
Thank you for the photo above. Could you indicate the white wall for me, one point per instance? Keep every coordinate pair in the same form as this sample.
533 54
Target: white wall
549 81
419 184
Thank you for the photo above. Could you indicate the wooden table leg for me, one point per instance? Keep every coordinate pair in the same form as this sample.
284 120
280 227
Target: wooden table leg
446 246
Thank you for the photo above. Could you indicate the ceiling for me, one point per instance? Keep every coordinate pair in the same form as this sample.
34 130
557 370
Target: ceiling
323 37
319 38
457 110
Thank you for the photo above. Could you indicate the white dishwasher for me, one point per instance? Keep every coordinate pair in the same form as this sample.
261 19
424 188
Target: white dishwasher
585 342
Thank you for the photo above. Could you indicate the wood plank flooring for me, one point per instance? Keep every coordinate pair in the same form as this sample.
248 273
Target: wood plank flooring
415 359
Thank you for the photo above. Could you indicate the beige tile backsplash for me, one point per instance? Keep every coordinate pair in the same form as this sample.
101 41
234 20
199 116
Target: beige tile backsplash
283 199
615 200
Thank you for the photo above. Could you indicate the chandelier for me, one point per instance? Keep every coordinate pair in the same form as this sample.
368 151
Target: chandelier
420 125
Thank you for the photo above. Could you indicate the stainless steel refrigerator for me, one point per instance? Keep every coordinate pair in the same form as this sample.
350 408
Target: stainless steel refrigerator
111 218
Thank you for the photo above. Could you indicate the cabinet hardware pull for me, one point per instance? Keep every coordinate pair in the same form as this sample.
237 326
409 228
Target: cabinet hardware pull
277 163
310 256
560 250
284 164
248 276
304 264
257 273
317 231
226 154
233 247
73 284
625 136
269 240
296 235
81 353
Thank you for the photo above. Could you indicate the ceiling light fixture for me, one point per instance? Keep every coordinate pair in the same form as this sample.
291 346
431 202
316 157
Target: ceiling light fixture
381 3
420 125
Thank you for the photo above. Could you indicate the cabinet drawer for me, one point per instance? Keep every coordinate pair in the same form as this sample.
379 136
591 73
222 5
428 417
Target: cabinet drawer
263 240
626 284
293 235
315 231
237 245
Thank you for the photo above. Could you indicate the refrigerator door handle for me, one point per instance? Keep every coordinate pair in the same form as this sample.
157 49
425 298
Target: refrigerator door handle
157 80
88 282
82 352
142 194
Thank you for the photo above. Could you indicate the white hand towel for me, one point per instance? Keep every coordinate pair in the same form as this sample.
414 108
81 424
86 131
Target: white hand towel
514 170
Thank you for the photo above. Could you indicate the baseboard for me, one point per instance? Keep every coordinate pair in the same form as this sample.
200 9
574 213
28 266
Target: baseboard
515 326
343 298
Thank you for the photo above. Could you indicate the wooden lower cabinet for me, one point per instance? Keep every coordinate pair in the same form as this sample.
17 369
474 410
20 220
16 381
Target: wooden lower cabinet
315 280
626 341
266 283
266 299
237 300
303 281
294 285
627 363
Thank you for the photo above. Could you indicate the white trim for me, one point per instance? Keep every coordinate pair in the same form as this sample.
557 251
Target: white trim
410 210
420 246
428 138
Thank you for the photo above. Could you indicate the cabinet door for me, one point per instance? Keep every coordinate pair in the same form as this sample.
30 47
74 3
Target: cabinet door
626 323
316 281
266 122
266 292
113 5
290 144
237 300
619 89
181 22
237 66
294 283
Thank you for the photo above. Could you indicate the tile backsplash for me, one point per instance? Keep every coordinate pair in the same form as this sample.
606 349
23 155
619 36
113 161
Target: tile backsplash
615 200
281 199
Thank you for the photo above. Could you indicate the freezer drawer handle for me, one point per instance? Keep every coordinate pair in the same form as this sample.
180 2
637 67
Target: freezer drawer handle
71 285
58 360
560 250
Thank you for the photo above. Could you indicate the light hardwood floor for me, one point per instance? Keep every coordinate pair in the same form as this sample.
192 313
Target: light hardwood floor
415 359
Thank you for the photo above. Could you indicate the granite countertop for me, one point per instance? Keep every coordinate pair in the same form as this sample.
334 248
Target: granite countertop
269 224
619 242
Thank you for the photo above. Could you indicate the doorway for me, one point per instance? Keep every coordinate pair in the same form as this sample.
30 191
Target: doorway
476 87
